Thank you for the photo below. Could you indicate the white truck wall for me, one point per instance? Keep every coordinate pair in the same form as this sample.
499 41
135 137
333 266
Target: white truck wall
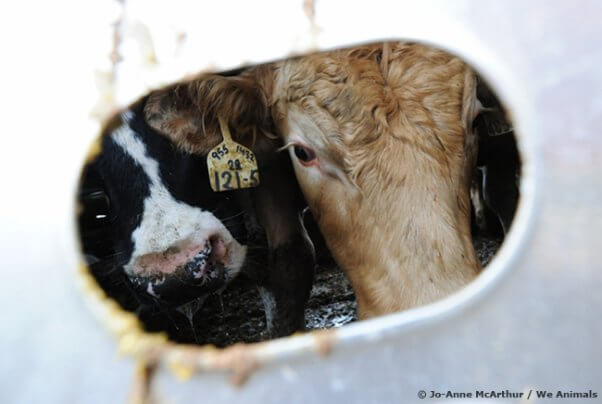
530 322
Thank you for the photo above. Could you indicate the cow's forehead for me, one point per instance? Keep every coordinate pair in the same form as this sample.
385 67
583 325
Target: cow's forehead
361 104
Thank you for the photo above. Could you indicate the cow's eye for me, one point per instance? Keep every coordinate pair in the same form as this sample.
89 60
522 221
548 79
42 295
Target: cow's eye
304 154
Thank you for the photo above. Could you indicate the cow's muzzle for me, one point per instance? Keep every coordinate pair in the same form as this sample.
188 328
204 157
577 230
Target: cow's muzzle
202 274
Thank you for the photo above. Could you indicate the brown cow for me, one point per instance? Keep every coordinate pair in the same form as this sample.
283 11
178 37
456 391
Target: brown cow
383 147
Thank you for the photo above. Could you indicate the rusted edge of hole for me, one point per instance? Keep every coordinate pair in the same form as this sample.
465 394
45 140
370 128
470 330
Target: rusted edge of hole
184 361
243 359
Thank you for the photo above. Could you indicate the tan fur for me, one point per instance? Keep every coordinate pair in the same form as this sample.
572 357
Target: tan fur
187 111
392 127
400 130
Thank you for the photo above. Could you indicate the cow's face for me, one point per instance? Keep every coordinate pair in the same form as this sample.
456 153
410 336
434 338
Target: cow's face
188 113
166 222
380 137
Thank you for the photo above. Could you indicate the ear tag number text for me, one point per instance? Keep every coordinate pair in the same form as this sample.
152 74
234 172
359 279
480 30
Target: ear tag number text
231 165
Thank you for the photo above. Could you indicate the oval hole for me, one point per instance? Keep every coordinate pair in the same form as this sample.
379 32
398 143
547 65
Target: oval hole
146 211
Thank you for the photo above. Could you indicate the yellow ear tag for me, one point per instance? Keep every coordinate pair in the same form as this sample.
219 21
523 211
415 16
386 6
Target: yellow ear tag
231 165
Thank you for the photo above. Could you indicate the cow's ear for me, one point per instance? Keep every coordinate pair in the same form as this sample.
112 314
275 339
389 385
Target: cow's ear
471 106
494 120
188 112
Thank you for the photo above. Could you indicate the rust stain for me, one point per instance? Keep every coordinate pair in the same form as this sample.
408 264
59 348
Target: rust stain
106 81
93 151
310 9
184 360
241 360
324 340
141 385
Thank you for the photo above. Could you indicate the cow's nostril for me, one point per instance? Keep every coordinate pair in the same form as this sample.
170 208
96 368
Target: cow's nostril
199 275
218 249
171 251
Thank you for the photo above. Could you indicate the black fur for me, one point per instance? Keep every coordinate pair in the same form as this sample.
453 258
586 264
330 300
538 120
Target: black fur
287 271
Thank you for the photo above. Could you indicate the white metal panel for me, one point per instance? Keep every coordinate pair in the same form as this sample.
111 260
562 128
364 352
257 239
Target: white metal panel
531 321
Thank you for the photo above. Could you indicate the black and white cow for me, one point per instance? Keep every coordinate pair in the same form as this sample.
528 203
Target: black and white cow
176 240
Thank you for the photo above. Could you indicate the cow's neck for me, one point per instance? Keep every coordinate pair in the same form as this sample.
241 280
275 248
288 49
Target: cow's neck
433 258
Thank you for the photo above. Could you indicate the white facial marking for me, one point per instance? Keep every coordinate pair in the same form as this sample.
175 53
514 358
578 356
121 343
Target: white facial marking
166 221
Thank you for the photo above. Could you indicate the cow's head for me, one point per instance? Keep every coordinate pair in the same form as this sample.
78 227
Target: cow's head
175 238
189 114
382 145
